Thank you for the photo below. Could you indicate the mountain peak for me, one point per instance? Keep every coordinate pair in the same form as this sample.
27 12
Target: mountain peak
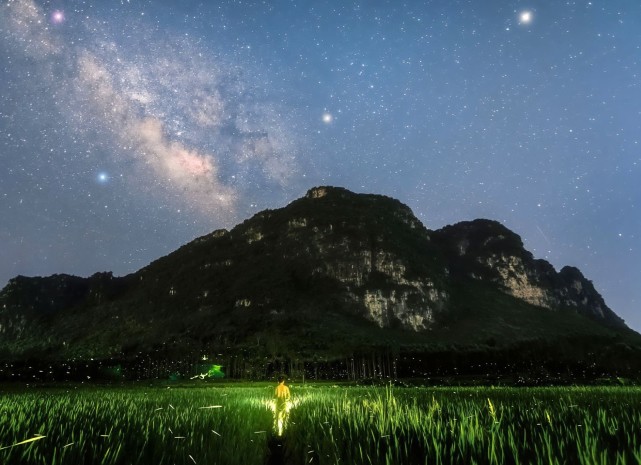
324 191
355 269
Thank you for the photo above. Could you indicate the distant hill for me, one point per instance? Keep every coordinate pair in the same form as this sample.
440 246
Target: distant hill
351 283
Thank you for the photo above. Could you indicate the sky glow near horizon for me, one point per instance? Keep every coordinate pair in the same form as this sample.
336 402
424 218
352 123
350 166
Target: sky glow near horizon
129 128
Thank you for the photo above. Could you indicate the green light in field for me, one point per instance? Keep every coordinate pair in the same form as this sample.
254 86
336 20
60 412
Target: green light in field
211 371
215 372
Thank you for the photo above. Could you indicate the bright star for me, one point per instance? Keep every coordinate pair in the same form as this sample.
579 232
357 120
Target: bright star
57 17
103 177
327 118
525 17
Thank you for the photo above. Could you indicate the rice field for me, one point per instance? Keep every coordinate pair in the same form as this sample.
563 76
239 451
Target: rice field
234 424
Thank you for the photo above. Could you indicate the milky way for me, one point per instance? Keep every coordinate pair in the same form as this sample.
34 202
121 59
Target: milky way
129 128
159 106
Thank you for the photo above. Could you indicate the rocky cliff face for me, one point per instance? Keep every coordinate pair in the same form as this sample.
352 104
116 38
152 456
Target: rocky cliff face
355 245
332 261
486 250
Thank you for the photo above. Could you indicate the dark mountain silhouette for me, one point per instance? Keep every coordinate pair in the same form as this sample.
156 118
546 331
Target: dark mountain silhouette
334 279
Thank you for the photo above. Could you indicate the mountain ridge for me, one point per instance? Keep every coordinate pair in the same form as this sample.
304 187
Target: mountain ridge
331 273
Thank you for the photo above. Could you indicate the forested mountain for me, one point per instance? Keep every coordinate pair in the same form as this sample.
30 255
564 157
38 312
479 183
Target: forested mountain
353 283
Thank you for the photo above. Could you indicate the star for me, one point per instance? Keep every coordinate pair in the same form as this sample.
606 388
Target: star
526 17
57 17
158 106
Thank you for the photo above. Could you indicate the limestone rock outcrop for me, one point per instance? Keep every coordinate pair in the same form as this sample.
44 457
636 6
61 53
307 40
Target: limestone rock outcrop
330 263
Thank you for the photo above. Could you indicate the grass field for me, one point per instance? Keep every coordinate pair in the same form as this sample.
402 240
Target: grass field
234 424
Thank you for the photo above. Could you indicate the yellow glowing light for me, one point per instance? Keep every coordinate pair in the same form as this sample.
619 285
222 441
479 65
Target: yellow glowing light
36 438
281 414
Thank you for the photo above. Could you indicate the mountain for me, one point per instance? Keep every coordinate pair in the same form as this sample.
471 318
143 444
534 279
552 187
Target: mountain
333 276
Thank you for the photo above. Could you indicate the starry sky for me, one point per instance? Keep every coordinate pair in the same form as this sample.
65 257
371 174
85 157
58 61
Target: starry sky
128 128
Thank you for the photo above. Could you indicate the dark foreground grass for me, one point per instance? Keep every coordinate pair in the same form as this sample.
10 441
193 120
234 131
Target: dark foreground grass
328 425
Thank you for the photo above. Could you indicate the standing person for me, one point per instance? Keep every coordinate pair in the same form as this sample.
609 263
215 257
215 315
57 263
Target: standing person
282 395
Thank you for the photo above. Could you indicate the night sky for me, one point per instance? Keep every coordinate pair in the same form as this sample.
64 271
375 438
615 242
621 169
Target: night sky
128 128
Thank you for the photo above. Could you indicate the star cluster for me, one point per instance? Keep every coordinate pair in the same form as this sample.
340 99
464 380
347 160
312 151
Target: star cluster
129 128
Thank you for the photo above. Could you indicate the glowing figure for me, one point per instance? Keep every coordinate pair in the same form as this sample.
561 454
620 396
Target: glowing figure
281 412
